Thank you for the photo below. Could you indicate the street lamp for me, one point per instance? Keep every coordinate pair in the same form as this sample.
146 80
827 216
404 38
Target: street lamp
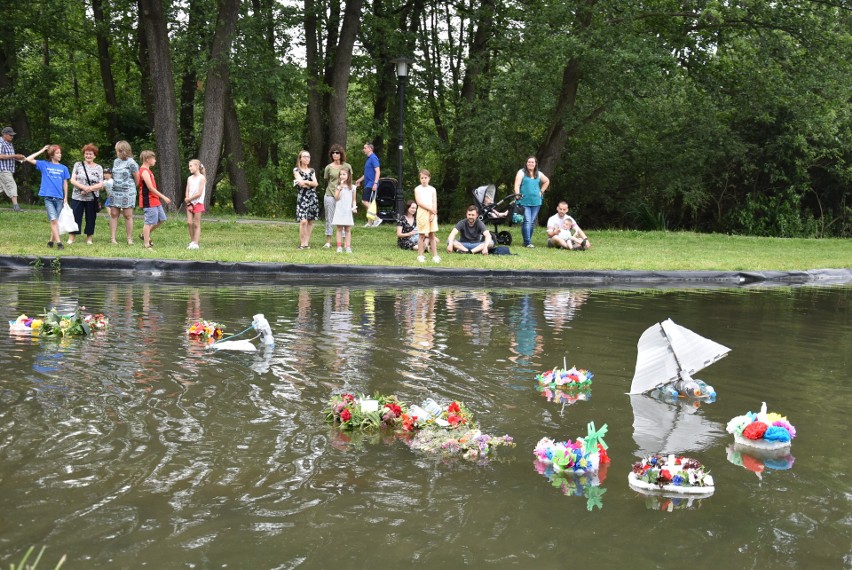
402 64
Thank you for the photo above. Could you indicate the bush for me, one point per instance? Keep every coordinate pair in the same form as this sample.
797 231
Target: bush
779 215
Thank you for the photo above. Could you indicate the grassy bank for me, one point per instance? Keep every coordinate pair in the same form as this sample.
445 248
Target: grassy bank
232 239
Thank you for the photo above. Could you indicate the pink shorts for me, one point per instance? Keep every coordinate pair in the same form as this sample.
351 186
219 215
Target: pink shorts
195 208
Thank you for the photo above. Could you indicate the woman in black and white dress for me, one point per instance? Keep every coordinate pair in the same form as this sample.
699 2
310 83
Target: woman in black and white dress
307 205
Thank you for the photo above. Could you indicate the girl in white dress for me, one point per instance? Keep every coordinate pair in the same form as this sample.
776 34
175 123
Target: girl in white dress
344 207
196 186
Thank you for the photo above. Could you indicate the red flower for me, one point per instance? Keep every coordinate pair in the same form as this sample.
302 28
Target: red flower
348 398
395 408
345 415
453 408
455 419
604 458
408 422
665 475
755 430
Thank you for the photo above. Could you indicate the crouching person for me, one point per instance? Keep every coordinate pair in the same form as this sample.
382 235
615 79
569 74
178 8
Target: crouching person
473 236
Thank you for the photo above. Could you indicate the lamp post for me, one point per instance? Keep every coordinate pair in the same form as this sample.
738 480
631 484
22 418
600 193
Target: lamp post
402 64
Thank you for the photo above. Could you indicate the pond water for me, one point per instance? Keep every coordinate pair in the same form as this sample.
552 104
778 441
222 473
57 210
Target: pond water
140 448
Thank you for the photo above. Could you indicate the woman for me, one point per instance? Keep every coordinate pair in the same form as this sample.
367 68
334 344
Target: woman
307 205
406 232
531 185
87 179
331 175
125 179
54 187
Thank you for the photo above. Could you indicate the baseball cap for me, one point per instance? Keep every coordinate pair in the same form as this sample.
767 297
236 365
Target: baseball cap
8 131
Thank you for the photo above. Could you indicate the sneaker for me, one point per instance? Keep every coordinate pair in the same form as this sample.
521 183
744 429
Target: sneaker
327 246
339 249
50 244
348 250
436 259
192 245
378 222
59 245
421 259
529 245
89 242
16 208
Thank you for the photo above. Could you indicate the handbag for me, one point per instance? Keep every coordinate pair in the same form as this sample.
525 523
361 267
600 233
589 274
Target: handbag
97 198
372 209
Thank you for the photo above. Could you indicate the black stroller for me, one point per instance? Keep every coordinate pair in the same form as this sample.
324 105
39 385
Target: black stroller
499 213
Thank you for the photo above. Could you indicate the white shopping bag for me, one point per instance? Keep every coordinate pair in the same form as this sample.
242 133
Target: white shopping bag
66 220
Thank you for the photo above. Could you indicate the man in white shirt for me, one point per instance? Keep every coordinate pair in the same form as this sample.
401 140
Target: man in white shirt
565 235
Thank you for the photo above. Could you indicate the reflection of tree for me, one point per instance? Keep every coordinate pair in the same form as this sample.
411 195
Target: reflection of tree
304 331
470 311
337 330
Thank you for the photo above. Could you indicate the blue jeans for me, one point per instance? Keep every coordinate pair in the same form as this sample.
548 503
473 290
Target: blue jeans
530 217
53 207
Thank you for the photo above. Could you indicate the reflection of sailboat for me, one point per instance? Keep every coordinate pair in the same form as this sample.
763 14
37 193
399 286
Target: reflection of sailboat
668 353
670 427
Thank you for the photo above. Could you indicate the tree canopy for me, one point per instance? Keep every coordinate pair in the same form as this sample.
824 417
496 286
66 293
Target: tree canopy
717 116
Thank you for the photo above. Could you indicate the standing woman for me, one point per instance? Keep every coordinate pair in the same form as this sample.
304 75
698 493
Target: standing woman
125 179
87 179
54 187
531 185
331 175
307 205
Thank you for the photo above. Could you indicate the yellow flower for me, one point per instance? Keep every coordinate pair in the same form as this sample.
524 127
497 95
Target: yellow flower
36 324
64 324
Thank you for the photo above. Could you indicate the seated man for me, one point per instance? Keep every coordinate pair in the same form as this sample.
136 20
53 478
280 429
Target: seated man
474 237
564 232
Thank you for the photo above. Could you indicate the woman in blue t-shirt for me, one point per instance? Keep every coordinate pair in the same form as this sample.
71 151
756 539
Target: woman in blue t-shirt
54 187
531 185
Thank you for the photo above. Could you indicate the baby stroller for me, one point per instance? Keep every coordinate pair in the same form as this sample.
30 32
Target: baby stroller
499 213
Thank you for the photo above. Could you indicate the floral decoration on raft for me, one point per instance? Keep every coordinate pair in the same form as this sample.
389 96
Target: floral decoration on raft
205 330
583 455
763 430
379 412
677 474
52 324
463 441
566 379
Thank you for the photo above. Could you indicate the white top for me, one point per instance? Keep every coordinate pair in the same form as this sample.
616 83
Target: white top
343 208
194 182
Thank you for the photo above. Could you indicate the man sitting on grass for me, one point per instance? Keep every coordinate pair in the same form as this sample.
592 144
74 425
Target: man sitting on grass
474 237
564 232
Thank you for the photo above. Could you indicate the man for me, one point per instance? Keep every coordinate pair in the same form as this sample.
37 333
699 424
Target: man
7 167
563 231
372 172
474 237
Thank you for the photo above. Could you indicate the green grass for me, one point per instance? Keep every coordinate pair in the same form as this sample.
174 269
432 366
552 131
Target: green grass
234 239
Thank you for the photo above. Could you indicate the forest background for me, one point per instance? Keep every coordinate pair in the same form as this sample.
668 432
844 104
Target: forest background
716 116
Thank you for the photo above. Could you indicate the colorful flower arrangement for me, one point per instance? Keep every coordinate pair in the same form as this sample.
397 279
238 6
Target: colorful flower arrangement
469 443
566 380
586 485
776 461
763 430
454 415
379 412
205 330
584 455
52 324
671 473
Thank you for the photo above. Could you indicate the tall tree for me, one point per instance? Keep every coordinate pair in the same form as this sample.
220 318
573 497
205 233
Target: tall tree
105 65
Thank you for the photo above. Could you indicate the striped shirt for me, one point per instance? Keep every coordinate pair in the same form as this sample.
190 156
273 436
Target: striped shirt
7 164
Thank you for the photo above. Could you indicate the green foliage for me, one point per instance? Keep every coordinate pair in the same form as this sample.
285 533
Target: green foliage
25 565
778 215
274 195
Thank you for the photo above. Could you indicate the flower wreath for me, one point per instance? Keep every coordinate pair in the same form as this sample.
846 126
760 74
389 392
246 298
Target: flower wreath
675 474
52 324
584 455
763 430
205 330
379 412
566 380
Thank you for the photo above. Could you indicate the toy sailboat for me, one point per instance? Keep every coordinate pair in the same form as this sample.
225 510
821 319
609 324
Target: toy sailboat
668 355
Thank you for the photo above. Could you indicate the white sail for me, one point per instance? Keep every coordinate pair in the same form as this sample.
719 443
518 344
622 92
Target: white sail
667 352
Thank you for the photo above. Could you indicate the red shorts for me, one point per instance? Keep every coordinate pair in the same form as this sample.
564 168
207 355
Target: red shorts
195 208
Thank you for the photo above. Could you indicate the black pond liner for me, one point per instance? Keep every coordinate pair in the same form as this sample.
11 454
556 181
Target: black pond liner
229 272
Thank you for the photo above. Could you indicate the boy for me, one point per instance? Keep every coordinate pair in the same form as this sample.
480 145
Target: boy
150 197
427 217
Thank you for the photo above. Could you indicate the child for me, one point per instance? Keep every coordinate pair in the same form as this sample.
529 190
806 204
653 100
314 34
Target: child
492 213
427 217
150 197
572 235
344 207
107 185
54 187
194 199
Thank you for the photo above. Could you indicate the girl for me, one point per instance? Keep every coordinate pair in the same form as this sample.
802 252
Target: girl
196 186
307 206
54 187
344 207
531 185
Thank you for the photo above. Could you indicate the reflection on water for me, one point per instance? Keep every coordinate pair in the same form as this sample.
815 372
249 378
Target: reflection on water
141 447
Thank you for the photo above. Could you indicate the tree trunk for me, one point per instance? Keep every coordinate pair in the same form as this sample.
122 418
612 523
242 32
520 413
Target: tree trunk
216 89
105 62
165 105
337 118
236 158
316 138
